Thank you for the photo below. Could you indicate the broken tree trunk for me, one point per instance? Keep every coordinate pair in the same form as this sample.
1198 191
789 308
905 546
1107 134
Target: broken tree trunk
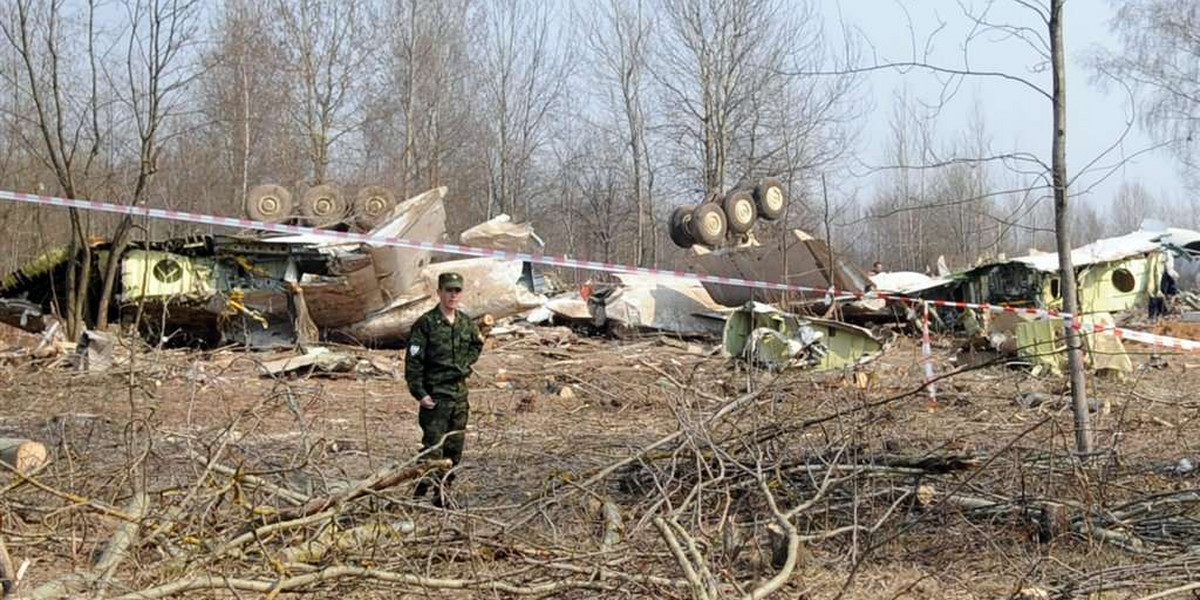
25 456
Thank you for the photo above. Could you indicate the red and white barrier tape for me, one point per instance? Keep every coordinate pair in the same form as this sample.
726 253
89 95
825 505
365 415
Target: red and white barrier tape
564 261
927 353
1078 325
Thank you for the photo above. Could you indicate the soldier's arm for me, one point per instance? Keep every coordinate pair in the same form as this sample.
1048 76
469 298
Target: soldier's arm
414 361
475 348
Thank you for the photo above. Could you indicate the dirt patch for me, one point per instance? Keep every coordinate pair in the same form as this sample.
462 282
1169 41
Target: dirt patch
1188 331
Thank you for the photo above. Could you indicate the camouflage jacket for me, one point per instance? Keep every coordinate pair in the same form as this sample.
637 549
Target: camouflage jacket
440 355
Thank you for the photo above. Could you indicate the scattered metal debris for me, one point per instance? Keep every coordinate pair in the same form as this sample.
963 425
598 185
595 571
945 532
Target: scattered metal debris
774 339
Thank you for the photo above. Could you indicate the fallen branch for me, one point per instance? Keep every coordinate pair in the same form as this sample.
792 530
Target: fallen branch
106 565
291 496
1173 591
699 590
379 481
212 582
96 505
612 525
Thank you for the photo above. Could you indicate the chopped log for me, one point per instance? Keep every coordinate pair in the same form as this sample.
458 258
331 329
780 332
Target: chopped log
24 455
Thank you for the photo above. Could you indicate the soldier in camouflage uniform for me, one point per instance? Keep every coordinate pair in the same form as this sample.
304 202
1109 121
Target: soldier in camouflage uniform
443 345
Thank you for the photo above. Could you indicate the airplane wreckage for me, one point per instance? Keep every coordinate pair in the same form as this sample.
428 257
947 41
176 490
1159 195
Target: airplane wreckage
278 291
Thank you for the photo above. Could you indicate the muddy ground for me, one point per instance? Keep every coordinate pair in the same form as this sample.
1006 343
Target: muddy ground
549 408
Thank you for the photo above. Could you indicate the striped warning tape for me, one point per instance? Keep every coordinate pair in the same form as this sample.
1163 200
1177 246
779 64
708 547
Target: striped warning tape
927 353
1079 325
563 261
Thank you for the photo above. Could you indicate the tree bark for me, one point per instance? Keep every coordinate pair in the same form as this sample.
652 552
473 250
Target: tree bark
1062 233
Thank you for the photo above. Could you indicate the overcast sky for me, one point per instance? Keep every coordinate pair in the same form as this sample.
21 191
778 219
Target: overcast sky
1017 118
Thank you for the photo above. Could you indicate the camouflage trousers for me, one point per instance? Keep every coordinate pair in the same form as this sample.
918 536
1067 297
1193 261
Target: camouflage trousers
449 414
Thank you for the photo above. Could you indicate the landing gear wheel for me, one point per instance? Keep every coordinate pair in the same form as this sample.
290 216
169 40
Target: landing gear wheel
372 205
268 203
680 227
323 206
770 198
740 213
708 224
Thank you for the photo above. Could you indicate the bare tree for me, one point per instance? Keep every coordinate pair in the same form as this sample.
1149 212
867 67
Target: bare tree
619 37
526 72
157 75
1130 206
1086 225
715 58
66 101
425 106
1045 41
1053 18
329 45
1160 46
238 99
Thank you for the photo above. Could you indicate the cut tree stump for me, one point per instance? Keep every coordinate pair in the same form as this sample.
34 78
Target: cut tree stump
23 455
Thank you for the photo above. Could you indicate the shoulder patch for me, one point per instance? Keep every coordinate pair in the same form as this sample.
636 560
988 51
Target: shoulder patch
414 349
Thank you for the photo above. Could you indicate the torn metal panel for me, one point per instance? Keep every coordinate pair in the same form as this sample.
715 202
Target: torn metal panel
421 218
1040 342
499 233
95 351
776 339
24 314
659 303
318 360
1112 286
571 307
1105 352
639 302
1100 251
339 301
905 282
1112 275
39 267
1121 285
806 261
157 274
494 286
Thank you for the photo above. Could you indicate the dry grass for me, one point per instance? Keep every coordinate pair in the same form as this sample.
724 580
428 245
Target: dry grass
531 449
